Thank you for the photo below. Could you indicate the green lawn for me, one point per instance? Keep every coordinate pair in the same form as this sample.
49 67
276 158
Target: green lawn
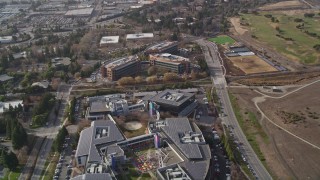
300 48
14 175
223 39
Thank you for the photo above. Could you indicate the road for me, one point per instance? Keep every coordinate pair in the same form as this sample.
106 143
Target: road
218 79
54 126
50 132
27 169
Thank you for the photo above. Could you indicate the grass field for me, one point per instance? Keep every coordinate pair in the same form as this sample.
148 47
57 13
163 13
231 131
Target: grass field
284 36
252 64
14 175
222 40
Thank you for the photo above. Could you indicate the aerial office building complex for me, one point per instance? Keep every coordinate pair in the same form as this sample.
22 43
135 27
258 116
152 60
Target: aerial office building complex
177 102
180 151
171 62
115 70
162 47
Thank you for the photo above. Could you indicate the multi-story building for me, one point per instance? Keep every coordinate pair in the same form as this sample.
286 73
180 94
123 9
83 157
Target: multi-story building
173 101
114 104
162 47
115 70
180 151
171 62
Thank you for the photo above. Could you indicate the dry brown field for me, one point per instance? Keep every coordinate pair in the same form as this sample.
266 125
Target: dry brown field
283 5
252 64
287 157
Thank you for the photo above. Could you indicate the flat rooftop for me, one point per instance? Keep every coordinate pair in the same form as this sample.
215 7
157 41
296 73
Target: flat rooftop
109 40
173 172
174 129
5 77
5 38
98 107
161 45
61 61
97 176
100 132
196 156
175 98
122 61
170 58
6 105
139 36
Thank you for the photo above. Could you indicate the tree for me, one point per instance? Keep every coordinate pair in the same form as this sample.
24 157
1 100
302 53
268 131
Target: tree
194 75
2 126
71 110
174 37
317 47
58 143
152 79
309 15
171 77
10 161
19 137
152 70
126 81
3 153
8 128
138 80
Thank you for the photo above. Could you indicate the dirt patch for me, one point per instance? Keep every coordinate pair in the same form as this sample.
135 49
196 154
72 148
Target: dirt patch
299 114
133 125
283 5
252 64
235 21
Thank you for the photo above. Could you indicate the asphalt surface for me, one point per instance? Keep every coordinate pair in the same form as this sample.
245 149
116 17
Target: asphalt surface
42 150
27 169
217 75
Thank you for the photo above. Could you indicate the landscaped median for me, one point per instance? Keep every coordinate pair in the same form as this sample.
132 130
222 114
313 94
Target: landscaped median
50 166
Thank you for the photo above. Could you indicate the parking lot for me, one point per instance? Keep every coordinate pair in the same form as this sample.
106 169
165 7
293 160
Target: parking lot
65 164
220 162
203 114
53 20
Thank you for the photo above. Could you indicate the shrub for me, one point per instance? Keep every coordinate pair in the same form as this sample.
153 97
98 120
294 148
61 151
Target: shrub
317 47
309 15
298 20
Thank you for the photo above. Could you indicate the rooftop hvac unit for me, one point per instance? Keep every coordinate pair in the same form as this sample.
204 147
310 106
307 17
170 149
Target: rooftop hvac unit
104 132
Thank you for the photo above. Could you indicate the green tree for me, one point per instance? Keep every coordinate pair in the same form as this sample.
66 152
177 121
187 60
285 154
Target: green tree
8 128
10 161
19 137
58 143
2 155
